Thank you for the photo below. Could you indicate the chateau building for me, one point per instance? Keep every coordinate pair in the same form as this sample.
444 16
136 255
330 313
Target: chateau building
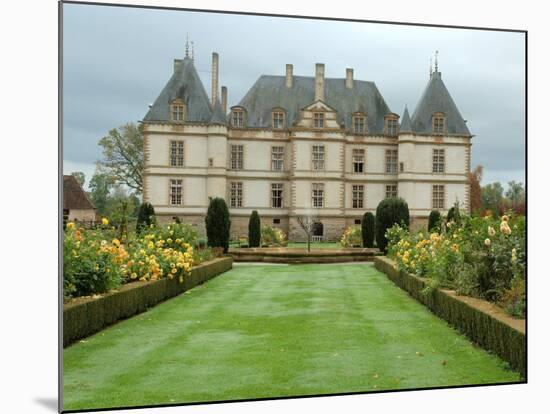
301 145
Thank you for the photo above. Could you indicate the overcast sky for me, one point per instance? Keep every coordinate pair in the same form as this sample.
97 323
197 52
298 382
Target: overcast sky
117 60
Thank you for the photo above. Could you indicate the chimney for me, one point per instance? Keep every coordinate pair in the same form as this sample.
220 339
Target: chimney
224 99
289 78
319 82
349 78
177 64
215 63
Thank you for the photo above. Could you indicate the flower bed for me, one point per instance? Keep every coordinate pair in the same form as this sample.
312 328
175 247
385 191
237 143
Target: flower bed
482 257
96 261
87 315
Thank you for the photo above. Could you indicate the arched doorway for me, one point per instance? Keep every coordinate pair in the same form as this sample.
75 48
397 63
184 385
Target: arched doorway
317 231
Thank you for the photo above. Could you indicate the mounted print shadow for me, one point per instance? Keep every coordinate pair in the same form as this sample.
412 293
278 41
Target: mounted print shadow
324 207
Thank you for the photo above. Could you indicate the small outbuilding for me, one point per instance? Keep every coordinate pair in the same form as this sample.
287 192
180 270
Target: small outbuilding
77 206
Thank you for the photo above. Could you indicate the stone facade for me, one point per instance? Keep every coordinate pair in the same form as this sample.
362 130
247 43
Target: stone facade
341 151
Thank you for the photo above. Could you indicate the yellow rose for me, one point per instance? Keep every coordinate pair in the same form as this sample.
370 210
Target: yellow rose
487 242
70 225
104 221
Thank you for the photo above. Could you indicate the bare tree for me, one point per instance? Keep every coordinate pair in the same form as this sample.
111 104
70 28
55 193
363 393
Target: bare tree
307 223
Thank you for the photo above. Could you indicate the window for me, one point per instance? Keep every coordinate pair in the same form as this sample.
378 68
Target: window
318 157
237 152
358 160
438 123
176 153
391 190
401 167
358 195
392 126
237 118
278 120
277 158
176 192
359 124
391 161
276 195
438 161
317 194
318 120
210 162
357 221
276 221
236 194
438 196
177 110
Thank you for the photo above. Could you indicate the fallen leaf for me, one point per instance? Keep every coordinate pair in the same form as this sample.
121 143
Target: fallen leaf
419 353
375 376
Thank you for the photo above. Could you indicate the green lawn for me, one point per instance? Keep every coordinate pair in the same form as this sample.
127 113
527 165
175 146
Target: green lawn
268 331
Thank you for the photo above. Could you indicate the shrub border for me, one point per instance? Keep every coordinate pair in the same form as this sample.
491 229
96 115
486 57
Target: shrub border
482 322
85 316
298 257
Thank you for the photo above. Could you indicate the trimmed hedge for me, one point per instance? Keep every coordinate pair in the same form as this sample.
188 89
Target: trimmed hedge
86 316
254 230
390 211
434 221
492 331
367 229
218 224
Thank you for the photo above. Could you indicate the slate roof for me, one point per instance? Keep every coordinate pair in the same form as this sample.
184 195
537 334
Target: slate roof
218 117
185 84
436 98
270 91
74 197
406 123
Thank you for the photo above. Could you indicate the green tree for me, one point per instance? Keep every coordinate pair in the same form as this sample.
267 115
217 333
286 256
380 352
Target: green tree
80 177
123 156
367 229
434 221
515 192
254 230
492 197
218 224
100 187
454 214
390 211
146 216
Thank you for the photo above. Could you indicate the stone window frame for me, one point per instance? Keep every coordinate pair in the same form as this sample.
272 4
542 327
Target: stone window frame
278 112
178 110
391 190
391 160
359 116
355 163
236 194
439 123
438 160
281 197
318 120
174 159
439 193
318 164
175 184
357 196
275 154
236 163
391 125
241 120
317 201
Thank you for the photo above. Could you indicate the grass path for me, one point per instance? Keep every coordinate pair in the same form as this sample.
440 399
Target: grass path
268 331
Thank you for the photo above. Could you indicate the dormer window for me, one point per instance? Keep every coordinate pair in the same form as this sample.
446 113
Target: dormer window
237 118
359 123
318 120
278 119
177 110
438 123
392 125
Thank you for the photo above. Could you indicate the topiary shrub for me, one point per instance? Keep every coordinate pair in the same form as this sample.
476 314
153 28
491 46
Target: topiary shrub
254 230
218 224
146 217
389 212
454 214
434 221
367 229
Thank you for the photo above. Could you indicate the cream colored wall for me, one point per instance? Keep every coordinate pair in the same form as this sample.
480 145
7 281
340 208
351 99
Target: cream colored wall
373 194
419 196
304 154
257 154
195 150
